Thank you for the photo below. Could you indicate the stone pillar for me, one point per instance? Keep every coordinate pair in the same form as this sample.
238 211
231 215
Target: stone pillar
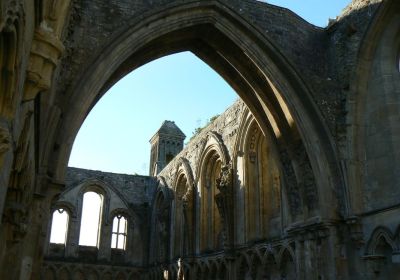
105 242
231 268
71 248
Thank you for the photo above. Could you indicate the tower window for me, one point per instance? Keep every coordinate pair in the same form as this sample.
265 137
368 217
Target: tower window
169 157
91 219
119 232
59 226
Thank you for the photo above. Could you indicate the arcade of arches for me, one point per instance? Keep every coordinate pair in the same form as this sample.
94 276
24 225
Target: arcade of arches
297 181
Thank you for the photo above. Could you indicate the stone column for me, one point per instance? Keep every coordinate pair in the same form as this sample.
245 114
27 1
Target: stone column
71 248
105 242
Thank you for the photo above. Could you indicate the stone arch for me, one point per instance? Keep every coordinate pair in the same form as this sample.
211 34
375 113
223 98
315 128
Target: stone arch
69 207
259 186
198 268
206 270
95 185
63 274
253 65
184 210
379 236
256 267
213 158
49 273
70 210
271 267
183 168
373 116
222 273
243 267
107 276
160 222
381 251
211 142
287 264
102 189
129 215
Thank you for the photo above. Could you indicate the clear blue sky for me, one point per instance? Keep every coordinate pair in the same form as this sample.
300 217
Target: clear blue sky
115 135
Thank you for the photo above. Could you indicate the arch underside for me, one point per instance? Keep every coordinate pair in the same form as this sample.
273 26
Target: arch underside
271 88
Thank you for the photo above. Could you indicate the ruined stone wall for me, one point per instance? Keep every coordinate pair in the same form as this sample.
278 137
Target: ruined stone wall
226 125
127 195
328 97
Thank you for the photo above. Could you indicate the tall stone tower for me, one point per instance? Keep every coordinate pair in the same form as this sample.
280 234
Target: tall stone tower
166 143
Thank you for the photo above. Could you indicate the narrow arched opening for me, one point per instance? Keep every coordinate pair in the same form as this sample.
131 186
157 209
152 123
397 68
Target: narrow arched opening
211 234
258 79
92 207
59 226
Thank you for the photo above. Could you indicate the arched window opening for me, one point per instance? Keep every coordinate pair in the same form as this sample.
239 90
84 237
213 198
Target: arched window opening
59 226
162 227
211 227
91 219
119 232
262 186
183 216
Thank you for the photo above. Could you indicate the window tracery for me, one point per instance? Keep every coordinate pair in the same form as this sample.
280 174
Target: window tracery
119 232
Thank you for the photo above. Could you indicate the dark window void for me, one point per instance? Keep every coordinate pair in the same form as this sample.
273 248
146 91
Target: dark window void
169 157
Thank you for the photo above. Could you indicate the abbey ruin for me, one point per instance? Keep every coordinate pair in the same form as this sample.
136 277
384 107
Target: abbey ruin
300 180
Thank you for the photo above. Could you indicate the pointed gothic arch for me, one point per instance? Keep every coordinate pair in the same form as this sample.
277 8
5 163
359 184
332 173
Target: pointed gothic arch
213 157
259 181
276 94
184 210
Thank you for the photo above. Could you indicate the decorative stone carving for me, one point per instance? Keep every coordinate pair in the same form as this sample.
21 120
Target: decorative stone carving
46 48
308 185
45 53
11 12
224 201
5 141
253 145
293 193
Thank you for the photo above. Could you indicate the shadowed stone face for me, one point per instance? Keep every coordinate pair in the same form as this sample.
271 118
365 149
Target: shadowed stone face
299 180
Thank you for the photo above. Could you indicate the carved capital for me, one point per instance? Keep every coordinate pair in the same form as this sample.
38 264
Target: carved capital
225 179
45 54
224 201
